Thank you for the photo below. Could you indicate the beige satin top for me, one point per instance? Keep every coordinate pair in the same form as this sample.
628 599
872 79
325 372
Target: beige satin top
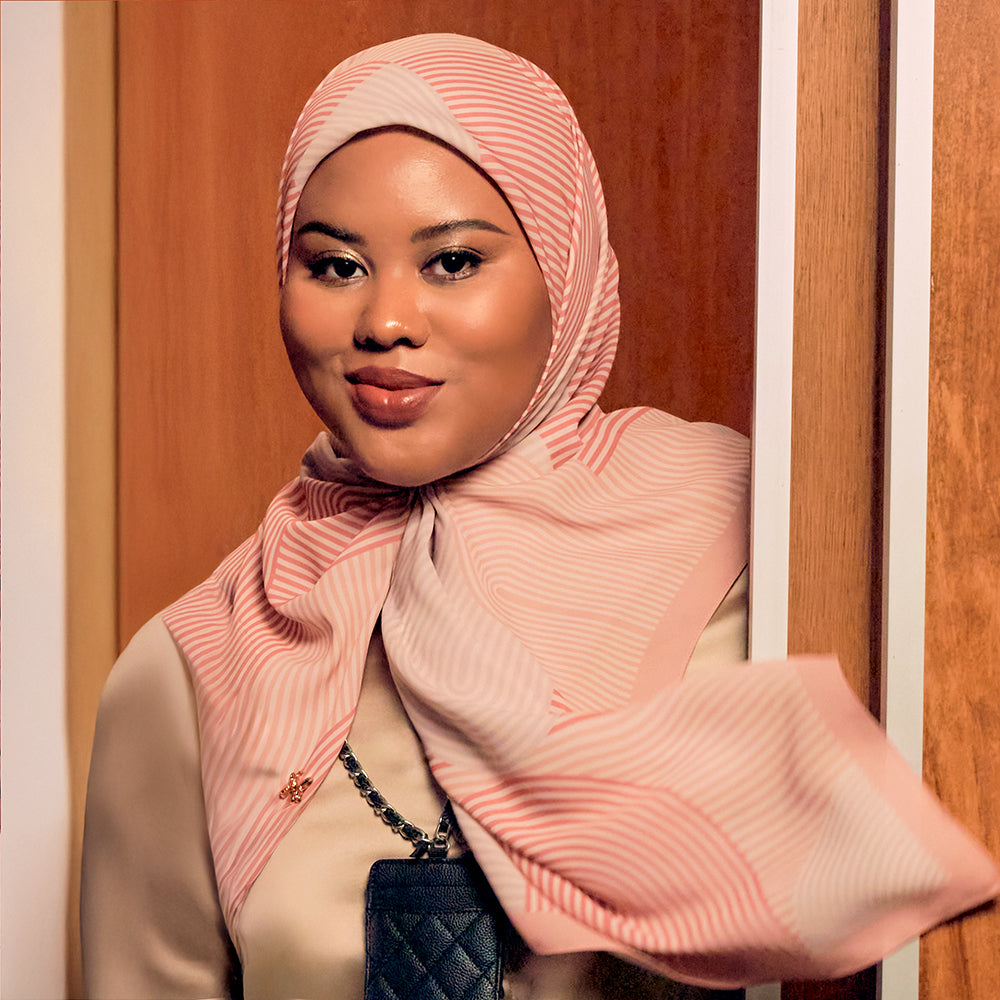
150 915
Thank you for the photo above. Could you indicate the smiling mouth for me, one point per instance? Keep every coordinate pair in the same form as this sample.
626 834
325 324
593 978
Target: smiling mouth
390 397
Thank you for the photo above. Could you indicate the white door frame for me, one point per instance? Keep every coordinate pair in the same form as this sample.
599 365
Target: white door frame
906 380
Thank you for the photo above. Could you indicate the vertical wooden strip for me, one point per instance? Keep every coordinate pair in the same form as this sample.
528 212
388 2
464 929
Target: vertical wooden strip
837 322
962 638
91 597
833 571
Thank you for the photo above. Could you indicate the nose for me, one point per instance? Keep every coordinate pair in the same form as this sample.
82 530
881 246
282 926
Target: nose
391 315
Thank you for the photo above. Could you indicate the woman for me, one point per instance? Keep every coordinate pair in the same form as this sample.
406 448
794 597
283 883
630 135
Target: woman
506 599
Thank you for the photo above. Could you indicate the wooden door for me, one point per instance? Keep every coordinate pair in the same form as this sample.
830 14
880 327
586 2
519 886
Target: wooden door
211 422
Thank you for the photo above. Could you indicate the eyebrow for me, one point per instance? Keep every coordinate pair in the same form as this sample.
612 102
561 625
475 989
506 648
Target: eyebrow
334 232
457 225
419 236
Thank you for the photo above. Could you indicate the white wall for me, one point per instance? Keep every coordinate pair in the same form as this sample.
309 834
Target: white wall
34 842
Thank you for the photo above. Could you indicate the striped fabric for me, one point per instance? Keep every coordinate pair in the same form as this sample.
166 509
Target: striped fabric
538 612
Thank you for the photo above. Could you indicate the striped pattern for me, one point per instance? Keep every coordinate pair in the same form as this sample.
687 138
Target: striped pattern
751 824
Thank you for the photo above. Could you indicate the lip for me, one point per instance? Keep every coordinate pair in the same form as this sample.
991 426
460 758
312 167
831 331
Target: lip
390 397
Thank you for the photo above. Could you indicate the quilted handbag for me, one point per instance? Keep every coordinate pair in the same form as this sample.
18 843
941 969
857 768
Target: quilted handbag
433 931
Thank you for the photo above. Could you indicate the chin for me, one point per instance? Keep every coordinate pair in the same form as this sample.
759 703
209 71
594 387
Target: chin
401 479
403 474
408 476
408 460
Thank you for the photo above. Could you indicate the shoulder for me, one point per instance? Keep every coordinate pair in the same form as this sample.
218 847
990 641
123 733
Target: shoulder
148 689
147 722
657 430
150 658
650 450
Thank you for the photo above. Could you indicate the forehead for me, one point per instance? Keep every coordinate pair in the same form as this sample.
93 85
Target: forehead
394 173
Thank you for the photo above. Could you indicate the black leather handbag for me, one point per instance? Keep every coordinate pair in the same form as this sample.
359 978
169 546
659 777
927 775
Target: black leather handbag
433 930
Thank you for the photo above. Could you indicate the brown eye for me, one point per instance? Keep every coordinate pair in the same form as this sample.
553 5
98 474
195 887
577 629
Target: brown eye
336 268
454 264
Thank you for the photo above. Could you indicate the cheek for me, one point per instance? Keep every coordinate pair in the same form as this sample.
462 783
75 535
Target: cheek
291 320
532 351
516 320
310 327
305 331
517 366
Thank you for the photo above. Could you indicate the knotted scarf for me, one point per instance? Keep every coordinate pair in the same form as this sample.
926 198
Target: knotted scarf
538 612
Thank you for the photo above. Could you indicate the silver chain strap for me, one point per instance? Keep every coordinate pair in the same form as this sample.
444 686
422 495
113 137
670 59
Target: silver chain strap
435 847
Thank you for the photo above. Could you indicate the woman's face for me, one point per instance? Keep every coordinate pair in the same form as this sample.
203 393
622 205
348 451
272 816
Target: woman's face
414 313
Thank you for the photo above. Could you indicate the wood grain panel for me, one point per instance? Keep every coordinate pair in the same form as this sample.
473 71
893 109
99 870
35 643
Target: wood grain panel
91 593
835 480
211 421
837 351
962 643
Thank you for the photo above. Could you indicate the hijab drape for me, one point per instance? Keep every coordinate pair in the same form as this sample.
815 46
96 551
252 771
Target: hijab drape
538 612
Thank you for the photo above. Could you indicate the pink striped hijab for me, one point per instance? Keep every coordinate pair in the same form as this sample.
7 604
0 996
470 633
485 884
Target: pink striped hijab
538 613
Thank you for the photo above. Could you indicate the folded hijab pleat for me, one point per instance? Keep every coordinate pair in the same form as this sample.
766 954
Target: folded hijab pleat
538 612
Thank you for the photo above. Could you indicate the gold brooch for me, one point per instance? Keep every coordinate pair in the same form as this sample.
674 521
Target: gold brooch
295 787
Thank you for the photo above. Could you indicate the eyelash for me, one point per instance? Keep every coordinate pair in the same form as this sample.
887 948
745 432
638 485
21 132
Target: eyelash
321 267
468 262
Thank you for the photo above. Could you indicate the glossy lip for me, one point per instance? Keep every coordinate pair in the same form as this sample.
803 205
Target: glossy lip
390 397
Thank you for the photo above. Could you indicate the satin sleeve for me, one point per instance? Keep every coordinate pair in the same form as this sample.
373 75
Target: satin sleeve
150 918
725 637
